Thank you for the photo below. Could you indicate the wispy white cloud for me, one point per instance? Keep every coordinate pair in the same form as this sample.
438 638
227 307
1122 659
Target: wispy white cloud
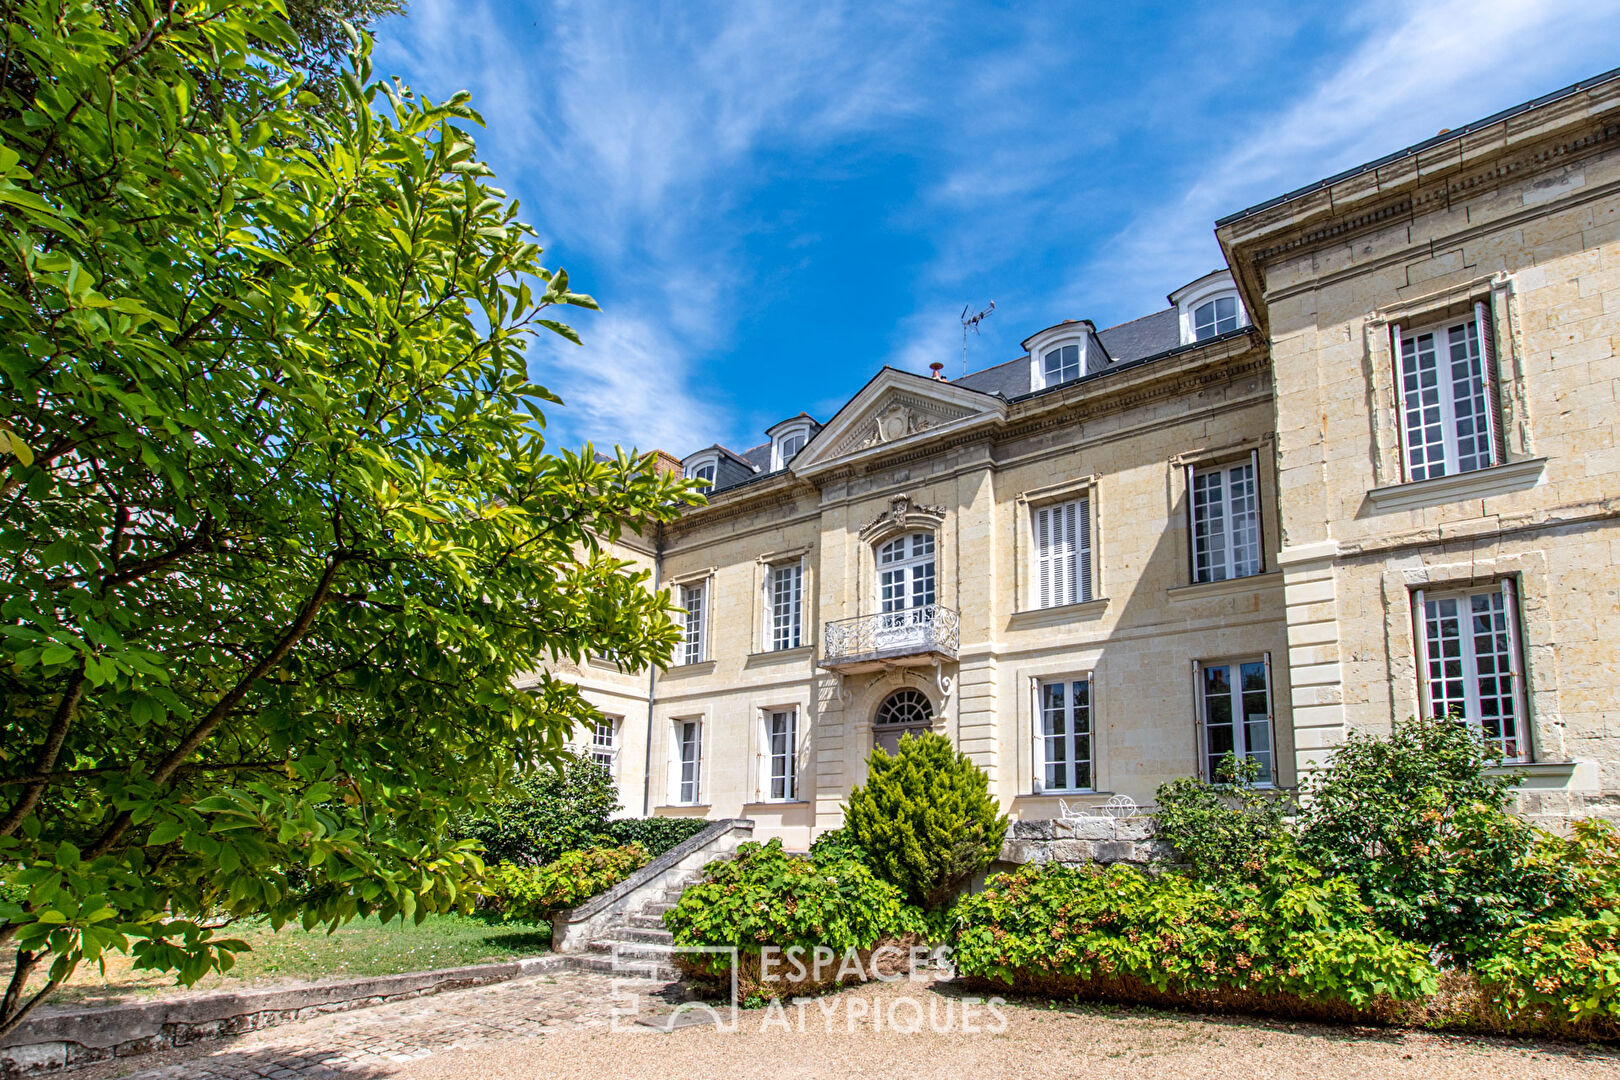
1411 69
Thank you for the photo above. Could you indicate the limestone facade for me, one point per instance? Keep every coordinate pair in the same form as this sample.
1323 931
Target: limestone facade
1513 222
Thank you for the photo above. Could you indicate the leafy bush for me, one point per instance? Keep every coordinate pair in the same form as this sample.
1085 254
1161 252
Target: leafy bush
1415 820
537 892
1569 961
836 845
925 819
656 834
764 896
546 813
1229 827
1292 933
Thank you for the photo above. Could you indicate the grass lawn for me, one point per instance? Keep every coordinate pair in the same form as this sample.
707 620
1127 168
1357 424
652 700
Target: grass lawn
359 948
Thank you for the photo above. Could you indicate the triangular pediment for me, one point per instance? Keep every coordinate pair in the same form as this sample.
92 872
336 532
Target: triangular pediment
895 407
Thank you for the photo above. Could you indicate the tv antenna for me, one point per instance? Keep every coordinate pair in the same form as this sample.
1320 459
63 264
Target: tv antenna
972 323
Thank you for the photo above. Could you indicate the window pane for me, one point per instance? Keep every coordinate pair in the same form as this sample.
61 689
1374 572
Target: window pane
1080 699
1055 744
1204 321
1425 420
1209 526
1062 364
1257 717
1493 663
692 599
1244 515
1447 694
786 604
1218 731
1468 396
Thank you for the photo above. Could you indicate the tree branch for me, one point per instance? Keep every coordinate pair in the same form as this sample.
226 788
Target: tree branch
66 709
232 698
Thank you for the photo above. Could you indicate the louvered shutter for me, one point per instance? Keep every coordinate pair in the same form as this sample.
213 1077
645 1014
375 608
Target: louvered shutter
1401 437
1044 554
1082 555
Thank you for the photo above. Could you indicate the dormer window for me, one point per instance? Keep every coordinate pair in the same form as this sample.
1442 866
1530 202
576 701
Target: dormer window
704 467
1061 364
1209 307
1063 353
788 438
1215 316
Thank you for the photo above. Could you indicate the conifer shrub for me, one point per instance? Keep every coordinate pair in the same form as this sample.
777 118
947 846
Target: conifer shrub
925 819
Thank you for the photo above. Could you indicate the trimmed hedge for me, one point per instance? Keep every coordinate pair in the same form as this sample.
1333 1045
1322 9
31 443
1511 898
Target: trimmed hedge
656 834
764 896
536 893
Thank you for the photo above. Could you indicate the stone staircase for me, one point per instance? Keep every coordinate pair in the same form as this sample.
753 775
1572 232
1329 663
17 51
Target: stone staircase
622 930
634 941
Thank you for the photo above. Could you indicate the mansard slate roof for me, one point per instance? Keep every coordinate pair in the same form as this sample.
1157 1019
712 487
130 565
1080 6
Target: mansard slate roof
1137 339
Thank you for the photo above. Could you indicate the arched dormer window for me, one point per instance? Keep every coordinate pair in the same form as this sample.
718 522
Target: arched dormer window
1209 307
702 467
1063 353
788 438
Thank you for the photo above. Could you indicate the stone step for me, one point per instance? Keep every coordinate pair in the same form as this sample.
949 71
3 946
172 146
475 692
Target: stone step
645 922
651 935
636 969
654 907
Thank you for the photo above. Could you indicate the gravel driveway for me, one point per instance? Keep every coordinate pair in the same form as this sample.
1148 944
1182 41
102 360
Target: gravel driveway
1037 1041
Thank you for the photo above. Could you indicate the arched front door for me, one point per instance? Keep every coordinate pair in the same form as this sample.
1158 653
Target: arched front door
904 712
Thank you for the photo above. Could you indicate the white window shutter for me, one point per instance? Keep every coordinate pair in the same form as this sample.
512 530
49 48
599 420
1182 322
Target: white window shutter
1083 551
1043 555
1036 742
1271 719
1510 617
1420 652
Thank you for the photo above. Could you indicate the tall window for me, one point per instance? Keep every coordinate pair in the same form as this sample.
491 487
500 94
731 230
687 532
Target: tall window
688 761
694 598
1065 735
1061 364
787 605
1470 663
1236 704
605 740
1225 522
781 739
1214 317
906 572
1445 399
1062 553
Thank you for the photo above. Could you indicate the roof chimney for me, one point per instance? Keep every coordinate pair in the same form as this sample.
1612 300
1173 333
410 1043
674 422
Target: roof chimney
938 369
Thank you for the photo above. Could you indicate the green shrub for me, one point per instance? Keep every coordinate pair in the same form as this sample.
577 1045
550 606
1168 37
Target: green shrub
925 819
656 834
836 845
1415 820
535 893
1568 961
1292 933
545 813
764 896
1228 827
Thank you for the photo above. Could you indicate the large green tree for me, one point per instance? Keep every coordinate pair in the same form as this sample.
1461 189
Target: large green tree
278 521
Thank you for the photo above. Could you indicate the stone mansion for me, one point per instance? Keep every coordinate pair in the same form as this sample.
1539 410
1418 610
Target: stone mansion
1367 469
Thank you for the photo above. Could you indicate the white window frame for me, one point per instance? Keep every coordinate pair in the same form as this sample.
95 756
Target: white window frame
609 749
679 782
1060 539
1077 339
1504 598
1214 302
705 467
1189 298
784 629
1240 732
694 646
780 764
1041 741
919 589
1229 549
1477 334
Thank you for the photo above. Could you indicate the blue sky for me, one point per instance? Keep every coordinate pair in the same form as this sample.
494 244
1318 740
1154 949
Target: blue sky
772 200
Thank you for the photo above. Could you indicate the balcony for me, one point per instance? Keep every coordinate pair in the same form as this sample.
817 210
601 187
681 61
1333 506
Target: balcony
908 638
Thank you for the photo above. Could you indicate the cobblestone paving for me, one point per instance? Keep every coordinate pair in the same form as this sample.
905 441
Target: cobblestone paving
376 1042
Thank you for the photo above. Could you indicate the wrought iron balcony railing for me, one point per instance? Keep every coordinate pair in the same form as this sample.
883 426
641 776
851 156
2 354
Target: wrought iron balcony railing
919 634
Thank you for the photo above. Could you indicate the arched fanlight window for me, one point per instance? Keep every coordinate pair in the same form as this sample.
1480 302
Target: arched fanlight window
904 712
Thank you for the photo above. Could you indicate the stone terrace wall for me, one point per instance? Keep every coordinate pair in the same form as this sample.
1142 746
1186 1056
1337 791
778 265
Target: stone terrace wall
1088 839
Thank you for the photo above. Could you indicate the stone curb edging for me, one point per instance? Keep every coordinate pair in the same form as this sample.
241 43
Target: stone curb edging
63 1039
